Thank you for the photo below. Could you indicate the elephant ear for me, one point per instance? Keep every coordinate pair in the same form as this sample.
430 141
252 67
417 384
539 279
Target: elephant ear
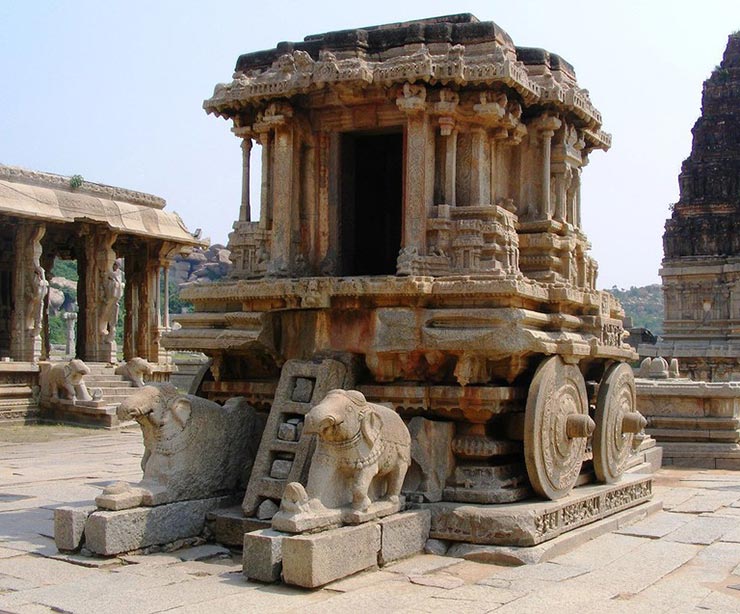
181 409
371 425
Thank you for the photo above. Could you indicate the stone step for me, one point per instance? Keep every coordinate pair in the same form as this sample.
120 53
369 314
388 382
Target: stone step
116 390
100 380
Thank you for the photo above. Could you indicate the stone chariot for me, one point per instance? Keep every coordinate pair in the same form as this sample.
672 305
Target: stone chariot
420 226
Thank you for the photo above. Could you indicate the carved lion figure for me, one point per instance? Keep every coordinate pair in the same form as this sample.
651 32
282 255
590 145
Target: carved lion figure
68 378
193 448
362 454
135 370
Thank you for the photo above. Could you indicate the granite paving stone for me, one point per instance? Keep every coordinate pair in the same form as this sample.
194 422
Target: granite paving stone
703 530
657 525
650 566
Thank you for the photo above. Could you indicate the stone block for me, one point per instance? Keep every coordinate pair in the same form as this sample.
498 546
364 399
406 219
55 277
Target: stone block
287 432
433 461
69 526
112 532
263 555
267 509
402 535
280 469
303 390
314 560
230 526
531 523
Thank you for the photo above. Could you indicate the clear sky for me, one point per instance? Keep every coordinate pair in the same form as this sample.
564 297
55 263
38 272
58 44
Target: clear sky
112 90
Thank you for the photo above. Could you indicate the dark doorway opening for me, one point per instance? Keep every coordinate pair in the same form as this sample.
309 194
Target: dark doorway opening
372 196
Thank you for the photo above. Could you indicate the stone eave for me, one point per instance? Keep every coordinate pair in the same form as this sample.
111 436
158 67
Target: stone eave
321 61
53 181
31 201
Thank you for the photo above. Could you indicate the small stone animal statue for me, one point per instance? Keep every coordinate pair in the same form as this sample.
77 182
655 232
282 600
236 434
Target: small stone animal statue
361 458
67 378
135 370
193 448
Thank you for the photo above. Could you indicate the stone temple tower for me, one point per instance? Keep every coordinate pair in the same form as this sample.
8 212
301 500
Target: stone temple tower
701 265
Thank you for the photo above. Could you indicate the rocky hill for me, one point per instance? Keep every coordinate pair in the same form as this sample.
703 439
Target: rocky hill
644 305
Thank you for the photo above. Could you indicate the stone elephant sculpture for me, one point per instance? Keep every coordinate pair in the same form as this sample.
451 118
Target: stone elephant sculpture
362 454
135 370
67 378
193 448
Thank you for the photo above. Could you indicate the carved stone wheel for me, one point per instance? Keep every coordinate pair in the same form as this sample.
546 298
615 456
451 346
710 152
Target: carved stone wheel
556 427
617 421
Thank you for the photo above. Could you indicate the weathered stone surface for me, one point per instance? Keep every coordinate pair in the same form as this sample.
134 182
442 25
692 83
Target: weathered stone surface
314 560
658 525
303 390
403 535
69 526
528 524
194 448
267 509
701 238
113 532
704 530
263 555
436 546
280 469
432 457
357 470
287 432
230 525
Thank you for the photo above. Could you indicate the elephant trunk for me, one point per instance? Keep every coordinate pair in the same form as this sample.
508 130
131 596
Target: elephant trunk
129 410
318 420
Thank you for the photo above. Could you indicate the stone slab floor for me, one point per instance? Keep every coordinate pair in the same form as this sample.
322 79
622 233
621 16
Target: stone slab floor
685 558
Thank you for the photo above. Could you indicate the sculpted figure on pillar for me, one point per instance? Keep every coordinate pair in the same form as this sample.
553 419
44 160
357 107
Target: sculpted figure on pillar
37 290
113 286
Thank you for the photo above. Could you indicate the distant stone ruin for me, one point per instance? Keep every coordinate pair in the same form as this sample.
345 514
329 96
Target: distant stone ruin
701 265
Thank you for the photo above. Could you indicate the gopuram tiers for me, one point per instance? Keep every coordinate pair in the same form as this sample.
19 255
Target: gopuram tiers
420 223
701 265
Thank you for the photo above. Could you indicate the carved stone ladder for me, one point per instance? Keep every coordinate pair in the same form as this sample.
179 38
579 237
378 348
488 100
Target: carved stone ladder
283 453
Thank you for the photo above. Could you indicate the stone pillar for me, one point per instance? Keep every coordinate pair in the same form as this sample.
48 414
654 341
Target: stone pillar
99 292
70 319
47 263
544 129
245 212
166 274
265 139
323 223
576 197
545 205
561 206
30 290
131 302
147 317
480 188
283 200
450 168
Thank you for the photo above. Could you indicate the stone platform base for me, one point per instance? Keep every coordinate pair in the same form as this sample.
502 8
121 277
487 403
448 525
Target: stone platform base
319 558
702 455
531 523
89 413
108 533
541 553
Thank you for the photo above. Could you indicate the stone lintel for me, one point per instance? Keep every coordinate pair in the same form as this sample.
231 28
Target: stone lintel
531 523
